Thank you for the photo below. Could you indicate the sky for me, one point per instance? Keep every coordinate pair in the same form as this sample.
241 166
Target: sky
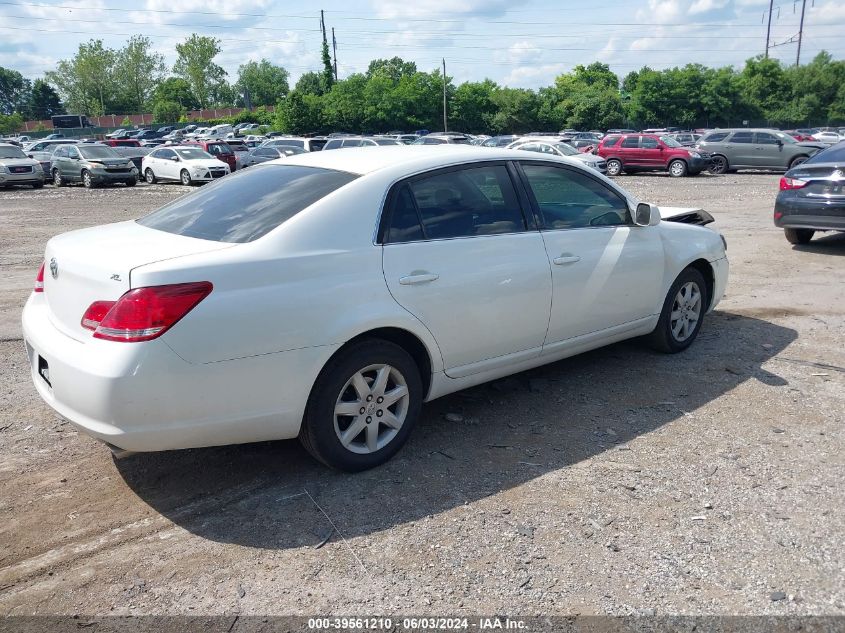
519 43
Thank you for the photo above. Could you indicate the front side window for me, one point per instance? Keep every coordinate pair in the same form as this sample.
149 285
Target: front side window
742 137
649 142
333 144
267 196
764 138
72 152
352 142
568 199
610 140
631 142
461 203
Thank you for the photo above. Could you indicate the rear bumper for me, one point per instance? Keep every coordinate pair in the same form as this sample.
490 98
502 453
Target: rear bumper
144 397
821 214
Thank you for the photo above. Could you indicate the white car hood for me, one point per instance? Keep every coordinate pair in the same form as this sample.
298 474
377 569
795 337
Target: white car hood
204 162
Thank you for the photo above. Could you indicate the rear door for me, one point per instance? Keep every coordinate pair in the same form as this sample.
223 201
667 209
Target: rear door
742 150
460 255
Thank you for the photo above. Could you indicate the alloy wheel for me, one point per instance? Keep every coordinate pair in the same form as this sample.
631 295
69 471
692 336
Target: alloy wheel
371 408
686 311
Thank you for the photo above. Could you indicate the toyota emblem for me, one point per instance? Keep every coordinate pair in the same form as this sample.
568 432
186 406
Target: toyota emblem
54 268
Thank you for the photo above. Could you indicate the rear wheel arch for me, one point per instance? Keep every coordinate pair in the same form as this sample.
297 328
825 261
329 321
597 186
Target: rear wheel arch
405 339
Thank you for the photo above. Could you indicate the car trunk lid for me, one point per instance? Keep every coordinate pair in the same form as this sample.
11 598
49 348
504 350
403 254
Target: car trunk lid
825 180
95 265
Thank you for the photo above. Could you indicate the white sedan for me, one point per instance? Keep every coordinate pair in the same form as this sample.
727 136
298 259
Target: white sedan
185 164
559 148
326 296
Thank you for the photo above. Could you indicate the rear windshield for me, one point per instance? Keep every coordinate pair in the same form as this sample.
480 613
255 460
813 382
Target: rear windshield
247 204
833 154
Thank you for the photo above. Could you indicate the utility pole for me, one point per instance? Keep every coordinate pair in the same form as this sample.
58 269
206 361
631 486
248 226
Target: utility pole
445 129
800 32
769 29
334 50
323 24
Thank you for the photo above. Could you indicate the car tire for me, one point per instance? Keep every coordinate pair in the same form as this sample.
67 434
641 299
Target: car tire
87 180
798 160
718 164
614 167
677 169
149 176
331 437
799 236
58 181
185 177
682 313
131 182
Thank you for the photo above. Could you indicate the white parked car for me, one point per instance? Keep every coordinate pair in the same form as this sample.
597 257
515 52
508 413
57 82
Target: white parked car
326 296
314 144
183 163
831 138
559 148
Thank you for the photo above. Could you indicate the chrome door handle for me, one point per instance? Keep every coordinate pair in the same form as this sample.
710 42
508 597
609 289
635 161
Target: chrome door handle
420 278
566 259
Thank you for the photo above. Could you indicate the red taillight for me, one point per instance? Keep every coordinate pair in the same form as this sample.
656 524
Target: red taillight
95 314
144 313
792 183
39 280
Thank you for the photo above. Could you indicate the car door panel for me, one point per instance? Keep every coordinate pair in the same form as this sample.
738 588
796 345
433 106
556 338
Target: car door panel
484 295
605 271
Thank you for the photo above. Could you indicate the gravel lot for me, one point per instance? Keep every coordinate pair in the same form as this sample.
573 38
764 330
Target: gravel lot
620 481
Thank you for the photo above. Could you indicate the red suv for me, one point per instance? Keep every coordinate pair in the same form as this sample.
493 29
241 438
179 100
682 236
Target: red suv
219 149
634 152
121 142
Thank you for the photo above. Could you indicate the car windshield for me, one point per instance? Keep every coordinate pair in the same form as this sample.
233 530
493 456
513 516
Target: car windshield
267 196
566 149
11 152
670 142
97 151
192 153
833 154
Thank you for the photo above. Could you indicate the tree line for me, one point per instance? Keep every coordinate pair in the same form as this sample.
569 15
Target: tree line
395 94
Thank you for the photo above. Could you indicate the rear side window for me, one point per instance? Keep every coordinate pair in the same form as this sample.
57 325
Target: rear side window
570 200
833 154
460 203
248 204
716 137
333 144
742 137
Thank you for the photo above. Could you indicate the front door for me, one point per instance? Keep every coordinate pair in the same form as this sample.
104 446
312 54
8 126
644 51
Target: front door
606 272
460 255
768 151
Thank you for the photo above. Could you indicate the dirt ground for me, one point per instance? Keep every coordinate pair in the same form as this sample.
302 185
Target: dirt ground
620 481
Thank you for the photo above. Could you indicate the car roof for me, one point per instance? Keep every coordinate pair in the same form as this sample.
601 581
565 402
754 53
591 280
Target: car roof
405 158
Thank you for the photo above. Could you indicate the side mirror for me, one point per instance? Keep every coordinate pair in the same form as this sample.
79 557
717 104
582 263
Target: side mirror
646 215
175 159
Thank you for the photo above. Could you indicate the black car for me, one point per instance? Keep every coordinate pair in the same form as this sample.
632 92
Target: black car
812 196
135 154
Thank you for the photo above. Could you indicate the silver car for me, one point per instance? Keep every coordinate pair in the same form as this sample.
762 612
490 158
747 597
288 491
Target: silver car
561 149
263 154
744 148
16 168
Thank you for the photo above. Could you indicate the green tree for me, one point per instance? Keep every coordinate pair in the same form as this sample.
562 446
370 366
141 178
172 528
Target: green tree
44 102
343 105
140 71
167 112
310 83
764 87
328 70
10 123
265 83
195 64
300 114
14 91
86 82
473 106
178 90
517 111
394 68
